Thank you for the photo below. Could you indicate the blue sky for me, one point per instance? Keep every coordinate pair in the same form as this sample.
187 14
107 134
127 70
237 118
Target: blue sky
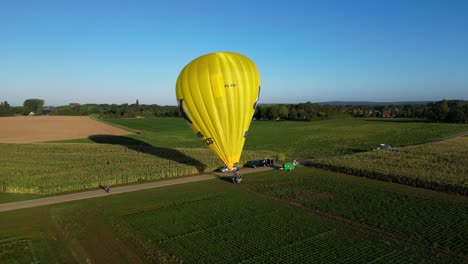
120 51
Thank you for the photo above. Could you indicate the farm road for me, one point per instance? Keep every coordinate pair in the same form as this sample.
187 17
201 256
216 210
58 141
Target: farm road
117 190
461 134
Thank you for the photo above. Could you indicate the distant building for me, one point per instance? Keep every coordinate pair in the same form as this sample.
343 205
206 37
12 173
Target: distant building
388 113
31 113
74 104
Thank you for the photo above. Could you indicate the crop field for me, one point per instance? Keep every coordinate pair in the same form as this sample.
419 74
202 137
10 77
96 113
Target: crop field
53 168
435 219
300 140
21 251
166 147
306 215
440 166
28 129
192 232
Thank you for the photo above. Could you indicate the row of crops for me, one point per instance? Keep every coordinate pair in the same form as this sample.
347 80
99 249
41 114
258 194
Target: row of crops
435 219
17 251
231 226
54 168
441 166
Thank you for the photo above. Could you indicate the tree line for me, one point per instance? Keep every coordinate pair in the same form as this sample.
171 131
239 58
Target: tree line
116 111
29 105
455 111
6 109
299 112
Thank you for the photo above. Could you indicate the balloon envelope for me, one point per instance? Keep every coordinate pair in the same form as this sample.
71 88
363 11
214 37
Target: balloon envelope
217 94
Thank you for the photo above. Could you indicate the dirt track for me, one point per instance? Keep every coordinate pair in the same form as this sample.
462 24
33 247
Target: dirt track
123 189
30 129
461 134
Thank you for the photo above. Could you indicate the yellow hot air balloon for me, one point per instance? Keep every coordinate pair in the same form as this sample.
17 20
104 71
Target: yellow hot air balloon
217 94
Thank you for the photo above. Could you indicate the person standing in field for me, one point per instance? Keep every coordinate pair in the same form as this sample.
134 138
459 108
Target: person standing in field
107 188
237 178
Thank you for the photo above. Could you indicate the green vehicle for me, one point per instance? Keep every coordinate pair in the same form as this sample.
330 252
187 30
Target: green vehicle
288 166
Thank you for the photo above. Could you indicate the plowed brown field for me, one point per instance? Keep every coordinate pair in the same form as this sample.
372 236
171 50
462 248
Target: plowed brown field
29 129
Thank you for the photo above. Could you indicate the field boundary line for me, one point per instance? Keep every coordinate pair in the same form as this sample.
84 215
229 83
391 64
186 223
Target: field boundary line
131 130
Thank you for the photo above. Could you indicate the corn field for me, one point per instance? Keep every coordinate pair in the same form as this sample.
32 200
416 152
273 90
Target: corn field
54 168
441 166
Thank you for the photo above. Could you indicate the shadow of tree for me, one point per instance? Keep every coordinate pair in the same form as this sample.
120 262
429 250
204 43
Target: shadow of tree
141 146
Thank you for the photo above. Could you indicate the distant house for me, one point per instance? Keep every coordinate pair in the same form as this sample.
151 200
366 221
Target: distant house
74 104
388 113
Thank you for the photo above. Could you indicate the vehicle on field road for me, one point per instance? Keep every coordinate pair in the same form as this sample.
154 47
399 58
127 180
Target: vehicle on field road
257 163
225 169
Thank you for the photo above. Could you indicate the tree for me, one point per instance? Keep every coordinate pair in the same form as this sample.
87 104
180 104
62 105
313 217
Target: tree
456 115
283 112
258 112
465 112
124 110
33 105
444 109
438 111
5 109
292 113
272 112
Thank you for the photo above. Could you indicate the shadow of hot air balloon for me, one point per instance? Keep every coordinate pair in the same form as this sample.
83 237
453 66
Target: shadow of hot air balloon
143 147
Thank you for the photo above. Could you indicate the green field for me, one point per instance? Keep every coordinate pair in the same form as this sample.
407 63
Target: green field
166 147
440 166
306 215
15 197
55 168
298 140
